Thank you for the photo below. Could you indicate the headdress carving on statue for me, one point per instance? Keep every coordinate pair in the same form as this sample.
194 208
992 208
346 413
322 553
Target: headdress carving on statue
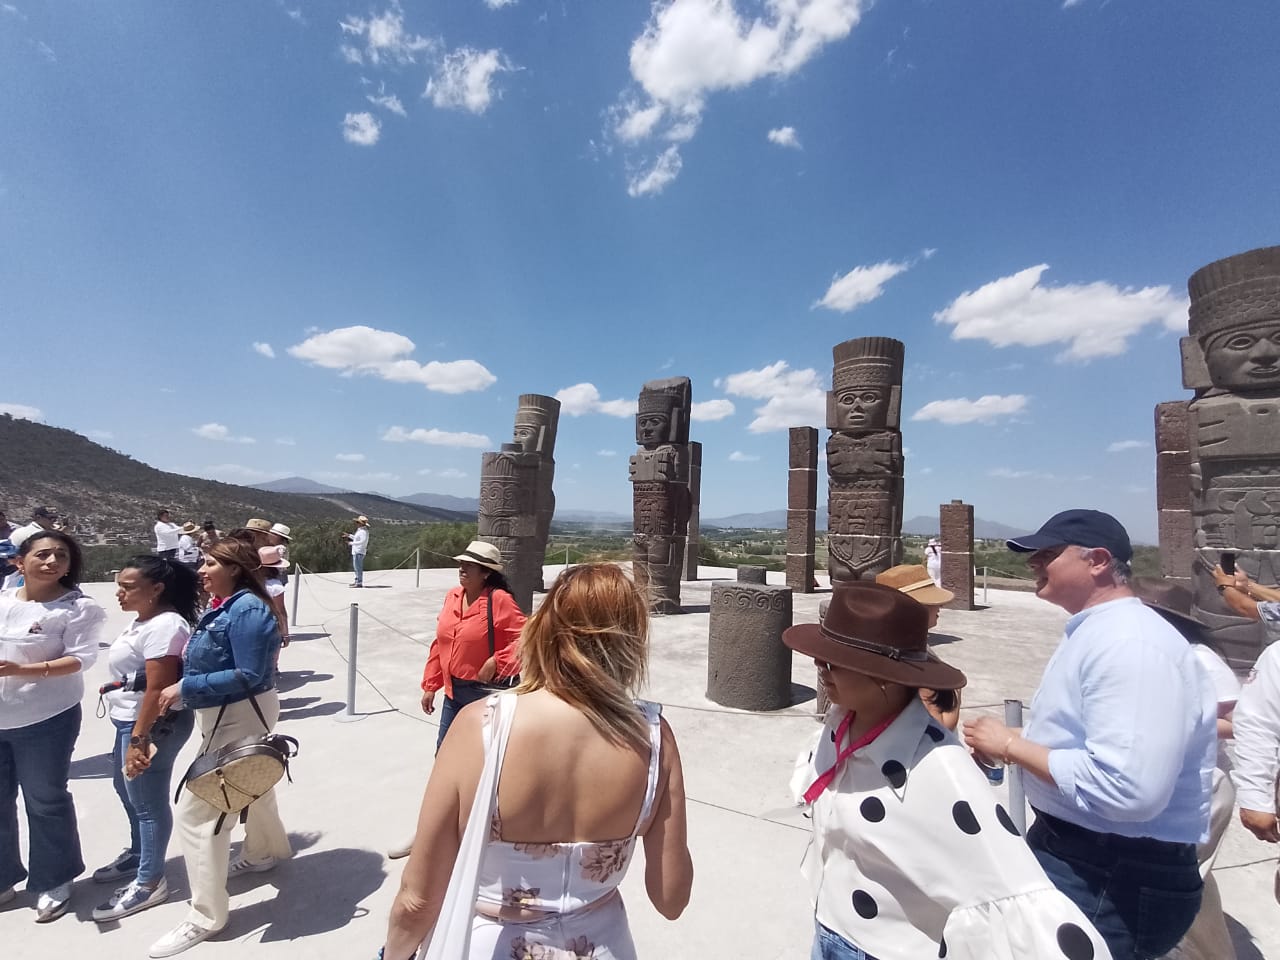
537 418
866 385
1234 325
663 414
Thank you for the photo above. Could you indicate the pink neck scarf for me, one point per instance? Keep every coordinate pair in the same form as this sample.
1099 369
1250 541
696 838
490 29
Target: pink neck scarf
843 753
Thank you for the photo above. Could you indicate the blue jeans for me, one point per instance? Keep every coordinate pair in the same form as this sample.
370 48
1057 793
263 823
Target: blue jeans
464 692
1141 894
37 758
829 945
146 796
357 562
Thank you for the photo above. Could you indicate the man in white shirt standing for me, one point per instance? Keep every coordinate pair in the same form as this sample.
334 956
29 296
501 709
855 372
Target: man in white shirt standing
359 547
1120 745
167 535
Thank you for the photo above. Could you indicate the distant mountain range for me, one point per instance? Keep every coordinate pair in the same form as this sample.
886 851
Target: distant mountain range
921 526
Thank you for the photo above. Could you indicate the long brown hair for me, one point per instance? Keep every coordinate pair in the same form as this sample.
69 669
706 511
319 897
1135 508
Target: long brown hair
588 644
241 557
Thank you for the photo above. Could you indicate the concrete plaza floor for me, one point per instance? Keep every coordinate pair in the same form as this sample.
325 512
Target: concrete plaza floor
357 786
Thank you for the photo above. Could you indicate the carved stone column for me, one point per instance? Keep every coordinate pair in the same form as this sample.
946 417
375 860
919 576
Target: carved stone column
864 459
660 490
508 518
537 419
748 666
1173 491
802 507
956 521
1232 360
695 496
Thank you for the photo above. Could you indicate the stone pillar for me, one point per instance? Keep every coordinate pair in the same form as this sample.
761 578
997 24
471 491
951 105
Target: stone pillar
508 517
956 521
1173 491
537 419
748 666
864 459
660 490
1231 359
695 495
802 507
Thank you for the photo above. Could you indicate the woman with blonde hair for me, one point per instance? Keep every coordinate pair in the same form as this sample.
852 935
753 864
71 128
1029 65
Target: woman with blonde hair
563 823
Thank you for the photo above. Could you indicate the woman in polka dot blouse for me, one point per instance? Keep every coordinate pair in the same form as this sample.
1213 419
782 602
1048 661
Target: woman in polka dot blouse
912 856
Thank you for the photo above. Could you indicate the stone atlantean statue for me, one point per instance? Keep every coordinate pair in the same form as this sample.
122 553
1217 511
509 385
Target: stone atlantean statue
508 516
537 418
864 459
660 490
1232 361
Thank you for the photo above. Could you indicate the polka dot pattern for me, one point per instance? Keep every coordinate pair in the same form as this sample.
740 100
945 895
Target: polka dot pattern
934 733
895 773
962 814
1074 942
872 809
866 907
1006 821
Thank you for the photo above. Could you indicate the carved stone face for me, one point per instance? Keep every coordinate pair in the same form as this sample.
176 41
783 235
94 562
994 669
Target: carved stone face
862 407
652 429
526 435
1246 358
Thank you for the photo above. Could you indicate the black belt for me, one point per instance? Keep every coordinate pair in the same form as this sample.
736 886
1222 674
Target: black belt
1148 848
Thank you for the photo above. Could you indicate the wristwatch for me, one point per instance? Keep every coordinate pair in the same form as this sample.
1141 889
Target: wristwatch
142 741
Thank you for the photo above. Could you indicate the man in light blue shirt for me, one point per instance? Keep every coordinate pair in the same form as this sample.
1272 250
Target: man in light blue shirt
1121 745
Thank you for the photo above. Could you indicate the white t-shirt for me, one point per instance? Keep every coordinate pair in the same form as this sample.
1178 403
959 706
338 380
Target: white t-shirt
32 632
164 635
360 540
188 552
1226 688
274 588
166 536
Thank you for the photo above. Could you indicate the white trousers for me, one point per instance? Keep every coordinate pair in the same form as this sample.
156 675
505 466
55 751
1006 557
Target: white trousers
208 853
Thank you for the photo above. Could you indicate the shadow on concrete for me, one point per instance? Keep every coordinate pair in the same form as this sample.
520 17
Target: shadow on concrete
297 703
936 639
319 710
91 768
1246 948
800 693
306 637
288 680
693 608
374 586
340 879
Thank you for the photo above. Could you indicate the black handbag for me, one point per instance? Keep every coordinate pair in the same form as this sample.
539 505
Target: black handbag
231 777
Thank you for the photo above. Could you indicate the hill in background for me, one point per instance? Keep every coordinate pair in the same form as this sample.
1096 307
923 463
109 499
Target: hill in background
921 526
106 496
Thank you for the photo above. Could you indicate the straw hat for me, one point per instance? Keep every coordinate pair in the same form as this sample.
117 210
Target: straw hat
189 528
914 580
257 524
362 520
484 554
280 530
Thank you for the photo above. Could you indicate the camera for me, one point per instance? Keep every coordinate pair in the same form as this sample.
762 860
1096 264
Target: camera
133 684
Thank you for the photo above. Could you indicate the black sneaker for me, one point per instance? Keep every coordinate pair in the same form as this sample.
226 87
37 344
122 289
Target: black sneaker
121 868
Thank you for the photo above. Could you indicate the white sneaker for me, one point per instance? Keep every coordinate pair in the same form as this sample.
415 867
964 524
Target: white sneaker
130 899
241 866
52 904
182 937
400 852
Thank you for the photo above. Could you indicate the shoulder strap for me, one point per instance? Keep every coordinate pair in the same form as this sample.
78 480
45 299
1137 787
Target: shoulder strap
489 613
652 713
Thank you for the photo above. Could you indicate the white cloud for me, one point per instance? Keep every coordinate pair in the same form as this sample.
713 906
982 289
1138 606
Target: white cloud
451 473
350 457
1121 445
388 101
585 398
498 4
20 411
438 438
690 49
925 470
1005 473
238 473
986 409
362 129
264 349
739 457
1094 319
100 434
383 353
785 137
710 410
860 285
44 50
286 442
792 397
655 179
353 478
464 79
13 11
385 39
216 431
606 453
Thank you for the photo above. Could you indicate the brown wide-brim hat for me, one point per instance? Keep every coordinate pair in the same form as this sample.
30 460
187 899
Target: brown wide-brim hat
914 580
877 631
1168 598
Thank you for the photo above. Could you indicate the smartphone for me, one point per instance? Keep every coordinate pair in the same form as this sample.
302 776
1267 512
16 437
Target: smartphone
1227 560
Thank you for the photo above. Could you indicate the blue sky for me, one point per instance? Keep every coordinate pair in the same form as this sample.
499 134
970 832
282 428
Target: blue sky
253 239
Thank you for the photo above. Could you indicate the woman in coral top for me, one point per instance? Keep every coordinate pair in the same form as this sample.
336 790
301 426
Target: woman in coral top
465 661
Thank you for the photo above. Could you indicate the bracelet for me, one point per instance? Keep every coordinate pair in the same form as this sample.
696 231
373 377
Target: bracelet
1004 752
45 675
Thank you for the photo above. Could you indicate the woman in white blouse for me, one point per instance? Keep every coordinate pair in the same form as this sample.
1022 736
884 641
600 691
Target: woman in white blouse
48 637
911 854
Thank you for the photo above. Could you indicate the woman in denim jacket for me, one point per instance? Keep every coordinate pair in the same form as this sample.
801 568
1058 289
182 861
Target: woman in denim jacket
228 663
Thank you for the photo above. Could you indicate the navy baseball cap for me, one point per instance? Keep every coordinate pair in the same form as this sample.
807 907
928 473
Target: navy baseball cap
1080 528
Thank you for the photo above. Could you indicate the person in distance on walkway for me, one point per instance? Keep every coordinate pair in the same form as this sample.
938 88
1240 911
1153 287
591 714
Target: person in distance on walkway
1120 746
48 638
167 533
359 543
564 822
911 856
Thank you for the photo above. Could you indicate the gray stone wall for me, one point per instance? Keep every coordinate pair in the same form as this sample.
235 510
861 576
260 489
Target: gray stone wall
802 507
956 524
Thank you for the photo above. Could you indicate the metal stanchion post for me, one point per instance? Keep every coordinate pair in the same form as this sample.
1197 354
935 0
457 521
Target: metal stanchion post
417 567
297 575
353 628
984 586
1017 796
